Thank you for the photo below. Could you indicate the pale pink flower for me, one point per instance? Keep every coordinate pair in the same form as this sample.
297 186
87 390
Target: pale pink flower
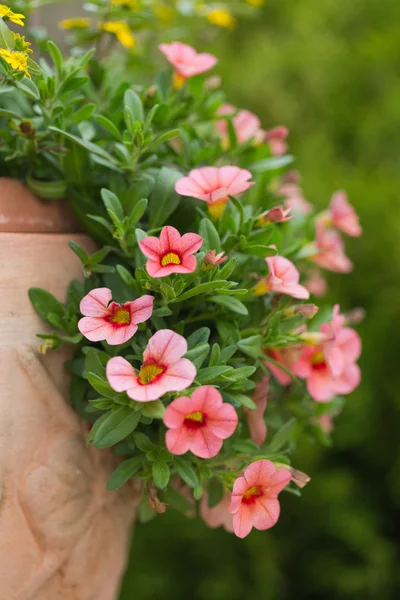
316 283
163 370
109 321
200 423
172 253
276 138
255 417
343 216
330 252
255 497
299 478
246 124
213 259
219 515
294 198
214 185
330 368
283 278
186 61
278 214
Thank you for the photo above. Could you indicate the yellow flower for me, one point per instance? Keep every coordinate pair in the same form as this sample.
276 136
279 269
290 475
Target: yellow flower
75 23
132 4
7 14
255 3
122 32
17 60
221 17
21 44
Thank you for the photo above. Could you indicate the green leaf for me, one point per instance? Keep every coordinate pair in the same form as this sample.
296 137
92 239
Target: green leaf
228 269
126 276
163 199
215 491
109 126
143 442
211 373
6 38
124 472
96 427
137 212
101 386
133 109
215 355
29 88
283 436
197 351
243 372
203 288
243 400
251 346
186 472
93 148
155 409
200 336
84 113
119 424
94 363
112 203
210 237
230 303
56 55
48 190
259 250
228 331
271 164
45 303
10 113
161 473
164 137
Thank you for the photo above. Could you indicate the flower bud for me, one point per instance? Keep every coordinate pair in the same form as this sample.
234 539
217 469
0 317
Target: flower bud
305 310
278 214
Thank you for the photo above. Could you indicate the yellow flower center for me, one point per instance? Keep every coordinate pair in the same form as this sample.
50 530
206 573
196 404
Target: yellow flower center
217 208
249 497
149 372
178 81
170 259
261 288
318 360
197 416
121 316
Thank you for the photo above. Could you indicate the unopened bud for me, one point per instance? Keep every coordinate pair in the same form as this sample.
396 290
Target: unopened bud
316 338
299 478
355 317
305 310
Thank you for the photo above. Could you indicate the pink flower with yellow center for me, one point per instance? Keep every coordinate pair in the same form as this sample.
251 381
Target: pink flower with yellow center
278 214
246 124
330 252
343 216
214 185
330 367
254 500
163 369
109 321
283 278
186 61
200 423
255 417
276 138
172 253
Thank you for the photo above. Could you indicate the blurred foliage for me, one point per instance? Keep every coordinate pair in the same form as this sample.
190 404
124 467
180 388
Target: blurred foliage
329 71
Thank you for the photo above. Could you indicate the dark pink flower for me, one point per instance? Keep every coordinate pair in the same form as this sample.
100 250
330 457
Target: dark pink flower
276 138
255 418
163 370
330 252
200 423
172 253
255 497
283 278
278 214
106 320
343 216
214 185
186 61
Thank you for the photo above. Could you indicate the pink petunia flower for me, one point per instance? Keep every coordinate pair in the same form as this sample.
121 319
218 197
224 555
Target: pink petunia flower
106 320
316 283
214 185
283 278
172 253
278 214
276 138
255 418
330 252
163 370
219 515
287 357
255 497
294 198
199 423
186 61
246 124
343 216
330 367
212 259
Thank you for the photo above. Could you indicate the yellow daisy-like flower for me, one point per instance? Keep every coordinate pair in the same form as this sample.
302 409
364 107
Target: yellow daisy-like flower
7 14
17 60
132 4
221 17
121 31
21 44
75 23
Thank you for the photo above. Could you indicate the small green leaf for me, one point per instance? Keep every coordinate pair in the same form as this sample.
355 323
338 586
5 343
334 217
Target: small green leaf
102 387
95 363
109 126
186 472
271 164
251 346
133 109
210 236
243 372
112 203
230 303
56 55
124 472
84 113
244 400
163 199
211 373
283 436
215 491
164 137
259 250
143 442
215 355
96 427
6 37
161 473
228 269
200 336
203 288
155 409
119 424
137 212
89 146
45 303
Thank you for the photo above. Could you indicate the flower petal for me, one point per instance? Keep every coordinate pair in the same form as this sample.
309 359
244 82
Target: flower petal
151 247
120 374
265 513
94 329
177 441
176 412
165 347
204 444
223 422
259 473
119 334
95 303
243 521
279 480
179 375
190 243
141 309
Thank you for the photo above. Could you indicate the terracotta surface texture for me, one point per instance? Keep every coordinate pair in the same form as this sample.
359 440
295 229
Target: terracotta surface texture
63 536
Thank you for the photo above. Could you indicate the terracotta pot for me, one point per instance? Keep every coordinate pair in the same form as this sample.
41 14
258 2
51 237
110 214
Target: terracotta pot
63 536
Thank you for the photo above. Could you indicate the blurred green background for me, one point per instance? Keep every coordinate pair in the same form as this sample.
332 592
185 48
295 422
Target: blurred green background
329 70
